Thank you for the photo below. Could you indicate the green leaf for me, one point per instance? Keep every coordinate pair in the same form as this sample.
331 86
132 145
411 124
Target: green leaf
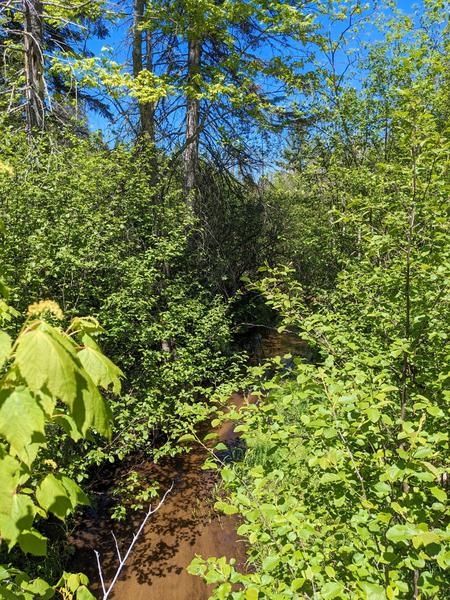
39 588
373 591
72 581
330 478
187 437
102 371
270 562
269 511
60 495
9 480
373 414
228 474
76 494
251 594
226 508
44 361
209 465
6 594
47 403
70 427
220 446
53 497
434 411
84 594
332 589
88 325
22 422
297 583
402 533
45 357
33 542
439 494
427 537
19 518
4 290
92 411
5 347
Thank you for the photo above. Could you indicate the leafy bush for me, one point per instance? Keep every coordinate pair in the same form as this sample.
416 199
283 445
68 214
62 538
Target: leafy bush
102 237
344 489
50 380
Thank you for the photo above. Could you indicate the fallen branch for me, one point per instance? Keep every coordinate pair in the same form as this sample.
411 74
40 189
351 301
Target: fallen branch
122 561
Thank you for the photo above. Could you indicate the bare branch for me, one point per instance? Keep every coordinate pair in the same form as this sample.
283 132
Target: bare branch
122 561
97 556
117 547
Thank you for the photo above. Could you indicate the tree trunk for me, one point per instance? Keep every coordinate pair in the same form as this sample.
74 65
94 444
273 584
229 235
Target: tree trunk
146 109
191 152
33 35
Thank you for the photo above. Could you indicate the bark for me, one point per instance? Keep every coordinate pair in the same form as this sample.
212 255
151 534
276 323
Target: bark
191 152
33 33
146 109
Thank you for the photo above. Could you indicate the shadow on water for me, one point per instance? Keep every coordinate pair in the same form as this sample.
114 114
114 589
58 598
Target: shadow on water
185 525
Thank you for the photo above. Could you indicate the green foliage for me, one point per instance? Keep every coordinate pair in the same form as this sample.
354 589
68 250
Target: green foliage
45 381
227 80
343 492
303 217
16 585
103 238
337 493
364 98
133 493
61 39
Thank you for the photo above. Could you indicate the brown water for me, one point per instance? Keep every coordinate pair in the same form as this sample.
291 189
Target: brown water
279 344
184 526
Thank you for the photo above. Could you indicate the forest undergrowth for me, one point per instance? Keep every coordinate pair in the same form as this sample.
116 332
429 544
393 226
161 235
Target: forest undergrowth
279 165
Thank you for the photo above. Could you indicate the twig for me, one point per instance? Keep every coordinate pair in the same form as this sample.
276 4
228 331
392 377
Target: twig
117 546
97 556
122 561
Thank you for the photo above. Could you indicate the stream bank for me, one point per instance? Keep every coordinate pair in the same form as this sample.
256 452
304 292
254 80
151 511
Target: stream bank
185 525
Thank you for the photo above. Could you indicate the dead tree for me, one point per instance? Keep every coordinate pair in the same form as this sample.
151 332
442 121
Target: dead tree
33 35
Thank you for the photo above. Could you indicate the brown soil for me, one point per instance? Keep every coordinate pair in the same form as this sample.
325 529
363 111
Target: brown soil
185 525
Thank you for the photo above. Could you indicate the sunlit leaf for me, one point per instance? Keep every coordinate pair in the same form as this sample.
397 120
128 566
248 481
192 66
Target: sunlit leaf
22 421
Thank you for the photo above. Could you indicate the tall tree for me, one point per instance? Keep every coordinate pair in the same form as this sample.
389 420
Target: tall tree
191 156
34 34
221 59
33 38
142 58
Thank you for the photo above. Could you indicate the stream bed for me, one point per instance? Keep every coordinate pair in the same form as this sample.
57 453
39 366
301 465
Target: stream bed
185 525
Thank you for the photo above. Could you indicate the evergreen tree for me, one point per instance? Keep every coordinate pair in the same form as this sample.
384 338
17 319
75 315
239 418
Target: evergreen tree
33 34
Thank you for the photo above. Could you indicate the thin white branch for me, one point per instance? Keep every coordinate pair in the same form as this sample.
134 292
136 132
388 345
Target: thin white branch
122 561
117 547
97 556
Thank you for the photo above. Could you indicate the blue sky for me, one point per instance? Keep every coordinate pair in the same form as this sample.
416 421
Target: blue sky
116 40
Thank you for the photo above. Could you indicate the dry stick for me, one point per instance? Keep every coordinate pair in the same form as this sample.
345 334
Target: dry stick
123 560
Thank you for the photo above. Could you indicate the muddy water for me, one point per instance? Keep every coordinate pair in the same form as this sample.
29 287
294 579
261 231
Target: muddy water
184 526
279 344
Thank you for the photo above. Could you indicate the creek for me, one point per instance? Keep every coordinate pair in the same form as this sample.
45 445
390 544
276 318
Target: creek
185 525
